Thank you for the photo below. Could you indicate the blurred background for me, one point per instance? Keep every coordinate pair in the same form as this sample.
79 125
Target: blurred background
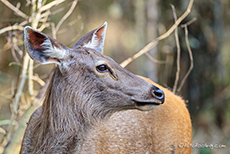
131 25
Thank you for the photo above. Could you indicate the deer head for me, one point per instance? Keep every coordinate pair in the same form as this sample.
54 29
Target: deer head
86 80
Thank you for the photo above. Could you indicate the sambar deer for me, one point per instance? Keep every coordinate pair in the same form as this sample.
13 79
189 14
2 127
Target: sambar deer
93 105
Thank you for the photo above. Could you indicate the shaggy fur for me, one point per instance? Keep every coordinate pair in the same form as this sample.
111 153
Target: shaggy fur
84 110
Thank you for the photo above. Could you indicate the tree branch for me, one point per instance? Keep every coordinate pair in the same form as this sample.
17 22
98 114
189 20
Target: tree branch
50 5
65 17
10 28
15 9
185 26
161 37
178 52
155 60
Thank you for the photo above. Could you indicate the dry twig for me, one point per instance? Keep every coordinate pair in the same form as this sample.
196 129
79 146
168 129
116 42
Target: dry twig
185 26
155 60
65 17
178 52
38 80
10 28
15 9
163 36
50 5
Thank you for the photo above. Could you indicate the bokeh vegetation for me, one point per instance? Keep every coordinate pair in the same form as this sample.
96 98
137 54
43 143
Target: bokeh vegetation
131 25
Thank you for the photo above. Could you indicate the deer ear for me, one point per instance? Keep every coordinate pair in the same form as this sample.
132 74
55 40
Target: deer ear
43 48
94 39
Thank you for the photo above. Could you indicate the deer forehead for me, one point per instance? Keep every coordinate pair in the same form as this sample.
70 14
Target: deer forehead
90 56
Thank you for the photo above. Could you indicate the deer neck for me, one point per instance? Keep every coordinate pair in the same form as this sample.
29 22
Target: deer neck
61 118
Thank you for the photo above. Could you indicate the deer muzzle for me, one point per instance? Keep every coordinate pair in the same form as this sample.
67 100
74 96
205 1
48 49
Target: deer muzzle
157 98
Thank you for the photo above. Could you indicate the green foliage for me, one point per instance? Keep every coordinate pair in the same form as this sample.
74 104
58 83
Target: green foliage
205 151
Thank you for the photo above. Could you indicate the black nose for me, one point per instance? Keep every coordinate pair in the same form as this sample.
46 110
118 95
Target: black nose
159 94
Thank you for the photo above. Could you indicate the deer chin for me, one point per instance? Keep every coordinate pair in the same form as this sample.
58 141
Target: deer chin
146 105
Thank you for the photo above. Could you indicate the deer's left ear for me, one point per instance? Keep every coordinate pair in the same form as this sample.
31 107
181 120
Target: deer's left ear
94 39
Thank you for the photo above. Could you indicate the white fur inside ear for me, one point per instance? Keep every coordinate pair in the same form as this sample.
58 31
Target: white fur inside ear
93 43
97 40
52 51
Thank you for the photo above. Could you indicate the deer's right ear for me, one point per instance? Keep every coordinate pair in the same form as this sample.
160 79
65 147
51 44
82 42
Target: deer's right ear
94 39
43 48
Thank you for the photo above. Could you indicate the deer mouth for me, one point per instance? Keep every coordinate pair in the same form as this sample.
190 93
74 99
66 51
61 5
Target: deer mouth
146 105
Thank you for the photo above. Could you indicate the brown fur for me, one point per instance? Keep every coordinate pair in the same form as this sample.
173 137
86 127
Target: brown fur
162 130
134 131
86 111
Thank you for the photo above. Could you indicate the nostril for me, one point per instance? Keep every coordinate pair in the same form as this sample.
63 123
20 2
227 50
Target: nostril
159 94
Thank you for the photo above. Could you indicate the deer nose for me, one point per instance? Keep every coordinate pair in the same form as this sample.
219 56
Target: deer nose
158 94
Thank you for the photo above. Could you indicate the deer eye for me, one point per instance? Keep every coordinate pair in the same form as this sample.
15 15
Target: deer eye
102 68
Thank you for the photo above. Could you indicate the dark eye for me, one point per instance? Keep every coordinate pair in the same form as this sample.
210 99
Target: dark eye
102 68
